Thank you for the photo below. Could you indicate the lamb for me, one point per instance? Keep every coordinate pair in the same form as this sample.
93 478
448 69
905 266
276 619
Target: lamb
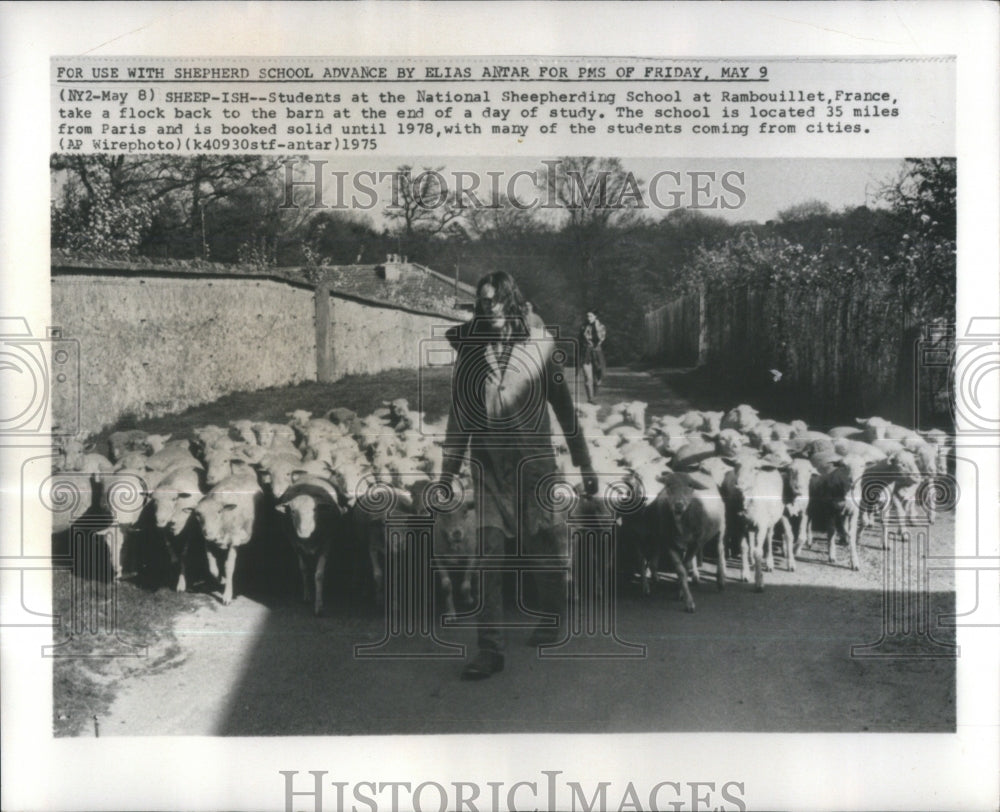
266 433
400 417
846 446
754 505
281 472
684 517
123 497
715 468
121 442
72 455
797 478
742 418
244 431
208 436
175 499
692 421
226 515
632 413
221 463
892 484
692 453
835 499
315 512
729 442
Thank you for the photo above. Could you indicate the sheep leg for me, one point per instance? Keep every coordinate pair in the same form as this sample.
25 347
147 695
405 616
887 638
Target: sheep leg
769 546
927 497
306 580
790 542
213 564
745 557
835 531
682 579
757 545
113 537
903 512
377 574
181 585
650 567
465 588
720 566
320 576
693 561
852 538
227 591
803 533
447 592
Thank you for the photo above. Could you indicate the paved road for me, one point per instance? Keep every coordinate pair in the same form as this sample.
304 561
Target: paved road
776 661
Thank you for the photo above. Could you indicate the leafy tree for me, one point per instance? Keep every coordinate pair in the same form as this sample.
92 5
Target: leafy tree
805 211
925 192
92 218
178 192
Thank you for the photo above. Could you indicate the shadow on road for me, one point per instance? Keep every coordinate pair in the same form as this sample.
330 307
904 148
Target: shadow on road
775 661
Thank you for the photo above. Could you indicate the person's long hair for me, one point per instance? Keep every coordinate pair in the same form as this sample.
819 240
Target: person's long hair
505 291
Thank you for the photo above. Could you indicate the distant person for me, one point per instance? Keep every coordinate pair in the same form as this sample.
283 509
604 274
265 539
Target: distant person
505 378
592 336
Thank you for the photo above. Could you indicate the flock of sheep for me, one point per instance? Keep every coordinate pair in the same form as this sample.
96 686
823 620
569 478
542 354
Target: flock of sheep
722 481
733 479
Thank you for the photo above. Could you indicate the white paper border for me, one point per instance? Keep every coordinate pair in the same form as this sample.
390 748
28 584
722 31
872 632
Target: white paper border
863 771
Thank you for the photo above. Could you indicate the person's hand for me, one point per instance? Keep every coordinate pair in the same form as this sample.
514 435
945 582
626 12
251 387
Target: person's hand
589 480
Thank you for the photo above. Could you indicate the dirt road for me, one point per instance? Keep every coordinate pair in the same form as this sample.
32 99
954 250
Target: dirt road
775 661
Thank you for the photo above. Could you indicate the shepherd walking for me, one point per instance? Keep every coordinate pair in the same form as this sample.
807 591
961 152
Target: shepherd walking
592 336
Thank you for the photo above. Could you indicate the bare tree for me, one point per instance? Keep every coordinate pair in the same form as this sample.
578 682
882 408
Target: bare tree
421 203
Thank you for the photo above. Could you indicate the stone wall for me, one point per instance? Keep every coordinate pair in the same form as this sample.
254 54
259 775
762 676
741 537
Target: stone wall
366 339
157 345
158 341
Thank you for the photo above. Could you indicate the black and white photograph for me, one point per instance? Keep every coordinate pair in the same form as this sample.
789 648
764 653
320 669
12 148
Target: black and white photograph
390 424
721 422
